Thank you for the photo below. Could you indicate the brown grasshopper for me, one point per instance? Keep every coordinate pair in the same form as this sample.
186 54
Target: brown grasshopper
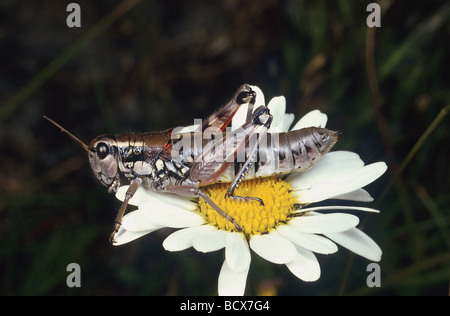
161 161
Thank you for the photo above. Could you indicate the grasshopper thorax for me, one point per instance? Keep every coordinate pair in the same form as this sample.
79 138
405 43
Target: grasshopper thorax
103 157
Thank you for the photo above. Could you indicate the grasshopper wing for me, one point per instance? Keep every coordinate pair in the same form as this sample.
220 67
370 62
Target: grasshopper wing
222 152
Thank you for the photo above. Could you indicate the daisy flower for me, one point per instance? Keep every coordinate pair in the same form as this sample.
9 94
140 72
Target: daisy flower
285 230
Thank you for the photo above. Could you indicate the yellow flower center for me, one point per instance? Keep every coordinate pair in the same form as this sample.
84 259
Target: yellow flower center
253 217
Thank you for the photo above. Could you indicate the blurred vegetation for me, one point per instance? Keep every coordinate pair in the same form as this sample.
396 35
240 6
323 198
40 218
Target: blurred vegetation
159 64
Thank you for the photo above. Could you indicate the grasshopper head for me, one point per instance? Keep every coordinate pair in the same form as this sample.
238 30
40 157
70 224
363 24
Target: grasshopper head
103 155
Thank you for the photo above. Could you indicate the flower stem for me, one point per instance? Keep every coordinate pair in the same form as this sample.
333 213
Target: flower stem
414 150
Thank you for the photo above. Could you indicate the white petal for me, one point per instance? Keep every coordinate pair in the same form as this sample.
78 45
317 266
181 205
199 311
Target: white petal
169 199
273 247
288 118
169 215
237 253
305 266
209 239
360 195
357 242
277 107
338 207
333 176
324 223
135 222
139 196
181 239
348 183
124 236
240 117
313 118
332 165
260 100
231 283
148 196
312 242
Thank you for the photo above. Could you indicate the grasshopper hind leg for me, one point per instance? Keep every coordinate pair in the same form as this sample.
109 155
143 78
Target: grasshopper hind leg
219 210
261 117
244 198
197 192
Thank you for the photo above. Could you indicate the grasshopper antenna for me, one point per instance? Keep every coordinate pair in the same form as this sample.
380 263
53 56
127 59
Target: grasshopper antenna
85 147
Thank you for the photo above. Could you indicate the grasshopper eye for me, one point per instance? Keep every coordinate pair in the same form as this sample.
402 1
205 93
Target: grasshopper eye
102 150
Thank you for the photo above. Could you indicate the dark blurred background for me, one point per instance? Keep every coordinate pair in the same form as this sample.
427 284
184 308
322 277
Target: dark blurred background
160 64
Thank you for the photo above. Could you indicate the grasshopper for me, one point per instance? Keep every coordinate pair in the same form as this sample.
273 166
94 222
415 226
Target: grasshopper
161 161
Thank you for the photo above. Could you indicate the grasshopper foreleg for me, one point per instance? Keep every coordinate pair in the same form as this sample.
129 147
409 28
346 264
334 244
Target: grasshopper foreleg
135 183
